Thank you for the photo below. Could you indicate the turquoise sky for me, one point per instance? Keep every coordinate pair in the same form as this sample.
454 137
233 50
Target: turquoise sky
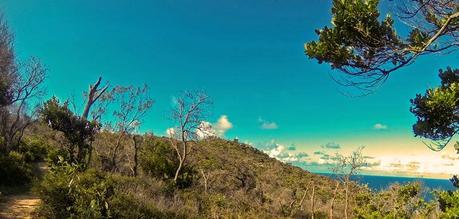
247 55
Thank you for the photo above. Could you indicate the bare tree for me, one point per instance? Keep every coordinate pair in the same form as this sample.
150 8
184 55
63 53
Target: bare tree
133 104
188 115
345 168
332 203
94 93
14 117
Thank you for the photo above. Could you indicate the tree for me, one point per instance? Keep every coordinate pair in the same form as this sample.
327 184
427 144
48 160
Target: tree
132 105
368 49
188 115
8 71
94 93
78 132
437 111
346 167
19 84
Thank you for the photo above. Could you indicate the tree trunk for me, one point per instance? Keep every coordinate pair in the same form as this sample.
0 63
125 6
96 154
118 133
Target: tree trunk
177 172
205 180
182 157
115 150
93 95
333 200
346 199
302 199
312 201
136 150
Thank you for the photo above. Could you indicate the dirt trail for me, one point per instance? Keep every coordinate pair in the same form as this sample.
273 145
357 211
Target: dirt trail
22 204
19 206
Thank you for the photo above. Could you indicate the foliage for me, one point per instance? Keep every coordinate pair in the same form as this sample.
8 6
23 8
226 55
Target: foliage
33 149
77 131
448 203
66 193
14 170
367 49
125 206
398 201
436 109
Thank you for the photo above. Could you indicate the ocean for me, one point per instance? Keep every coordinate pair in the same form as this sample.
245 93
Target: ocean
377 183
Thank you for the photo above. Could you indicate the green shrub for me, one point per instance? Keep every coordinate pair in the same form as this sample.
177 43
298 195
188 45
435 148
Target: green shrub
449 203
55 155
158 159
68 193
34 150
398 201
125 206
14 170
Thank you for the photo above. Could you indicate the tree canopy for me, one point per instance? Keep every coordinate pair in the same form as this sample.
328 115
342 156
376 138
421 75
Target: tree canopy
366 47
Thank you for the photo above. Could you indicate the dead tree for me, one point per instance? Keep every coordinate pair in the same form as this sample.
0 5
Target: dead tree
345 168
136 154
94 93
313 198
133 104
14 117
332 205
188 114
204 177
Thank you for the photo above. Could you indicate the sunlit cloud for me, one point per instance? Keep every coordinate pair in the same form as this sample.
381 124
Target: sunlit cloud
285 154
223 125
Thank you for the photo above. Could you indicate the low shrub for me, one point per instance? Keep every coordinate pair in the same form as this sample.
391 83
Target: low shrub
125 206
398 201
14 170
33 150
448 203
68 193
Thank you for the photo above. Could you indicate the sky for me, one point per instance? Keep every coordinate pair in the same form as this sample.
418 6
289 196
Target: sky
249 58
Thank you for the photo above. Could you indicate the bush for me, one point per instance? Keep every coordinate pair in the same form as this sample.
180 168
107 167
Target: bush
56 155
448 203
158 159
125 206
68 193
14 170
33 150
398 201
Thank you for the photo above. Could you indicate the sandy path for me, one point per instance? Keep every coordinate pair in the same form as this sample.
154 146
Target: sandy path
24 204
19 206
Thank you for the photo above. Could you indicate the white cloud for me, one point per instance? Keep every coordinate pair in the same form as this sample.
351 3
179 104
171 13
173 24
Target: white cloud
219 128
379 126
268 125
285 154
205 130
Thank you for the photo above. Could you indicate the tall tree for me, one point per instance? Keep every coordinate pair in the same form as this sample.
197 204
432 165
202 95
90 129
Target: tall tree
131 105
19 84
78 132
345 168
367 48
